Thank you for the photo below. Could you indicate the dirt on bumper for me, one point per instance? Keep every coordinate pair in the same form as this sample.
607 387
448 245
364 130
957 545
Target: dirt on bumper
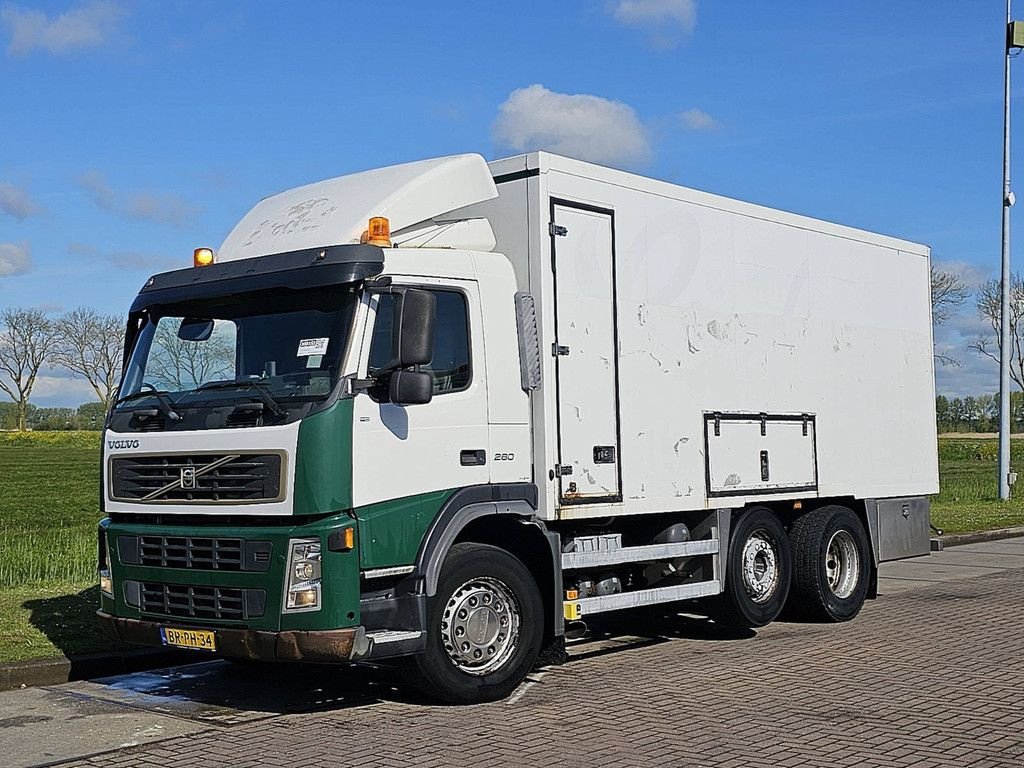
289 645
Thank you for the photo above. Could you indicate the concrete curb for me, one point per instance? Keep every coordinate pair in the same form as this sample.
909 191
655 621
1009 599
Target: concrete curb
957 539
60 669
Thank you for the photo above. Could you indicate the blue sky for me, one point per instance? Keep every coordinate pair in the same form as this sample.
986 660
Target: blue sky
131 132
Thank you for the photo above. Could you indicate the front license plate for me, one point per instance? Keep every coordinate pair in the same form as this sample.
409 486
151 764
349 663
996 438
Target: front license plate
196 639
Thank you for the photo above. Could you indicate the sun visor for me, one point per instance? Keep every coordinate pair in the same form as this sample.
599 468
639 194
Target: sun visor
336 211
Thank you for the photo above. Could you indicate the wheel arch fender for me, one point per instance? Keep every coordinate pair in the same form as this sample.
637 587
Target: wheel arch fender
467 510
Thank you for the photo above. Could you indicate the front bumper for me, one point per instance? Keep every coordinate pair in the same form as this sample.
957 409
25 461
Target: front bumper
331 645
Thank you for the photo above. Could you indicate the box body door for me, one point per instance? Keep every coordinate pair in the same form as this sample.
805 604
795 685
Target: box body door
760 453
586 353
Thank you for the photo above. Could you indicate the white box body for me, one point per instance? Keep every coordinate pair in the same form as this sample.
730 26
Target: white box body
710 306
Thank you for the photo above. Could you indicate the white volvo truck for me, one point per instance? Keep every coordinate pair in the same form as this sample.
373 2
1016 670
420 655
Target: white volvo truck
449 409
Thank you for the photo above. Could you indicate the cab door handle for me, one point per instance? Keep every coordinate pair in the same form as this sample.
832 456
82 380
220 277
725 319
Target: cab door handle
473 458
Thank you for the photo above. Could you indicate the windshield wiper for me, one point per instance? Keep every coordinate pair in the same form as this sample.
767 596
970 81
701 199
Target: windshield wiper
164 403
259 385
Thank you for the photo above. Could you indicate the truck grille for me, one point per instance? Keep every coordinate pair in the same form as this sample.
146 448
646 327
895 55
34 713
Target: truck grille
187 552
196 479
190 601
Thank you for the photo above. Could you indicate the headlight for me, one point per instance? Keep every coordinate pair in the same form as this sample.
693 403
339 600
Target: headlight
302 592
106 583
102 564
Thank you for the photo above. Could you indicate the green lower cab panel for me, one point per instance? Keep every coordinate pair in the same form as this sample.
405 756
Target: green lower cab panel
260 591
391 532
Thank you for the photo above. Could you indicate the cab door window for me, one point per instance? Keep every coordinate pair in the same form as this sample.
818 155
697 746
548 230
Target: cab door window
450 366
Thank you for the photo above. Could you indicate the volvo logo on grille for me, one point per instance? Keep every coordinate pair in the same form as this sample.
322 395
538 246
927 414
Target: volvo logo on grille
187 477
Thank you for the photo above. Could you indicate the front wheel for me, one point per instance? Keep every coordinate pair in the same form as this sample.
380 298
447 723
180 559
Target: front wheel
758 571
485 627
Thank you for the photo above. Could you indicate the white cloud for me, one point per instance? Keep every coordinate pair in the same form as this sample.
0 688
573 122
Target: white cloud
15 259
667 22
971 274
698 120
16 202
579 125
99 191
81 249
53 390
161 209
86 26
148 262
141 206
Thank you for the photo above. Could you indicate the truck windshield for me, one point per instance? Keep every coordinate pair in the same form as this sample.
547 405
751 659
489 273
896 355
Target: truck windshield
272 353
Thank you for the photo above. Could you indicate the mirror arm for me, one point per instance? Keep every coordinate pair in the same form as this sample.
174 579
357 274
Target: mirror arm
355 386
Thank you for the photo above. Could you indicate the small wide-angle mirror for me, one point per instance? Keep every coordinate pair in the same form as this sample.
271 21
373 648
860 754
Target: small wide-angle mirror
195 329
410 388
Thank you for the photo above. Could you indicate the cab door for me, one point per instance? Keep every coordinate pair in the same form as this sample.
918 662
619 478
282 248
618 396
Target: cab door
404 450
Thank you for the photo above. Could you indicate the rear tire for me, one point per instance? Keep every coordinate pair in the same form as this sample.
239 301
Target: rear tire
758 571
831 565
485 627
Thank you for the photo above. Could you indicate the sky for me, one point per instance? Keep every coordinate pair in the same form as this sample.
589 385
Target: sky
133 132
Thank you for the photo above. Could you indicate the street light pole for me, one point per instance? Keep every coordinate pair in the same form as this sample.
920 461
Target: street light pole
1004 302
1014 39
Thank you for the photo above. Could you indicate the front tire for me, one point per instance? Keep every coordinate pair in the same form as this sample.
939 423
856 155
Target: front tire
758 572
485 627
831 565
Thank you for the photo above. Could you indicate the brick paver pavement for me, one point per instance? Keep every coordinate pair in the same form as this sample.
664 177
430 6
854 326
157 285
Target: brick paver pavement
931 676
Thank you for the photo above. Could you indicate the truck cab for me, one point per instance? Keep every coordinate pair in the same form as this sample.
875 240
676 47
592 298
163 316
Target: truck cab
290 425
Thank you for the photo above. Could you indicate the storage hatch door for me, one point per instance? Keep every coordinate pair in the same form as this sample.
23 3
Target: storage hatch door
760 453
585 354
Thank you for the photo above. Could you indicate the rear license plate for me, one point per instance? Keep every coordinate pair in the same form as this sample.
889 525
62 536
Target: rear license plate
196 639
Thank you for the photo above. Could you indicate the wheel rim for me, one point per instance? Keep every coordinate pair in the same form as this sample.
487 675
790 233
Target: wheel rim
842 564
760 566
480 625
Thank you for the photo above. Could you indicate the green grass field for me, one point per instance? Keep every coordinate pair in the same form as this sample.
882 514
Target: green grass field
49 483
968 499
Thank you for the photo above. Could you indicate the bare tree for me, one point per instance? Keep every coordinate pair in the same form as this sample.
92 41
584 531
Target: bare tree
179 364
91 346
989 298
948 293
27 338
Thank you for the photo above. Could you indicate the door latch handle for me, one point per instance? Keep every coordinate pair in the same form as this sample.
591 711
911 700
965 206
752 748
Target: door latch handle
472 458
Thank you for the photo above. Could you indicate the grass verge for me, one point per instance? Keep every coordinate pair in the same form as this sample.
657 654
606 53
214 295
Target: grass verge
41 620
969 496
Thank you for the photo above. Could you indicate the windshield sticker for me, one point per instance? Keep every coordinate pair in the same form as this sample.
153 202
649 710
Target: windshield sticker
313 361
309 347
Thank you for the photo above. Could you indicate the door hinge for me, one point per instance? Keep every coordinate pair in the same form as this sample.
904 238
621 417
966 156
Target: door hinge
556 231
559 350
561 470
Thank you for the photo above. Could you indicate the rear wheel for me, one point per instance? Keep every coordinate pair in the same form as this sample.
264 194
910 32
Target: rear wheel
831 565
485 627
758 571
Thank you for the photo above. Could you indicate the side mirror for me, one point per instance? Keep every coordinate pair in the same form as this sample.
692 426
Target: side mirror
411 388
414 318
195 329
